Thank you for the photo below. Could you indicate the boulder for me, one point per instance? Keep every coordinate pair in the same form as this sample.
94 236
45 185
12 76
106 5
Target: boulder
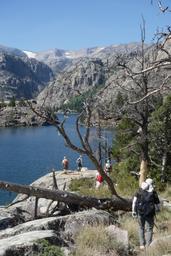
20 244
120 235
167 205
66 226
8 218
60 231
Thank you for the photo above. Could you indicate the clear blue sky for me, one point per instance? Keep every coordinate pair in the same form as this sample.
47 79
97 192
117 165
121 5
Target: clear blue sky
37 25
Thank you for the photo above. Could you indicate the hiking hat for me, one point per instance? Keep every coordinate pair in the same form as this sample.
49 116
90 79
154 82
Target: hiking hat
149 181
144 186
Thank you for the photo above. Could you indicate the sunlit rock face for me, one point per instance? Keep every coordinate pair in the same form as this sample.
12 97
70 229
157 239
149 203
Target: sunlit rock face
21 77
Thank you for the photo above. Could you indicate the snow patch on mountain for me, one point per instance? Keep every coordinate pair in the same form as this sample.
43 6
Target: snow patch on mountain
30 54
70 55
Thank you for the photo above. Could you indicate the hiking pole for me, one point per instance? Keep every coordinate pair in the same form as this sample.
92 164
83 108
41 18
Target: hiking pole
156 221
156 225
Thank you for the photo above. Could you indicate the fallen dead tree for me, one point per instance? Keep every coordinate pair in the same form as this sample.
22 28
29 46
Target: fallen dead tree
115 203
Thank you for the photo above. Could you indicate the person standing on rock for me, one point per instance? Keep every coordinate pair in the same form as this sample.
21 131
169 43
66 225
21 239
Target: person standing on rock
65 164
144 205
108 167
79 163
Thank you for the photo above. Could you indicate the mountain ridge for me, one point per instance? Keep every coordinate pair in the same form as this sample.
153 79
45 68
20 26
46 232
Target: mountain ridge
68 71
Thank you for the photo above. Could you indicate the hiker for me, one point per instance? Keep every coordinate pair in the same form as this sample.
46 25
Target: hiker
108 167
79 163
65 164
144 205
99 180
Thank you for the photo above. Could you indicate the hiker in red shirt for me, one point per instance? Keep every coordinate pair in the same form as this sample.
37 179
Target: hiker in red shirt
99 180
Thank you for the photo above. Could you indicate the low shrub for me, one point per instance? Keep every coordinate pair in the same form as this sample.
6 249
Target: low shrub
79 184
86 186
126 183
46 249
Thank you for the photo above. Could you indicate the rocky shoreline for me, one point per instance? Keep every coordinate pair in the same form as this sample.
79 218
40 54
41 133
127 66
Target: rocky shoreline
23 116
19 116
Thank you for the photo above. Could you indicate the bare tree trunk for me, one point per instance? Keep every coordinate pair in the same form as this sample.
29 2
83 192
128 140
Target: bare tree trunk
143 171
115 203
164 160
36 206
55 185
85 147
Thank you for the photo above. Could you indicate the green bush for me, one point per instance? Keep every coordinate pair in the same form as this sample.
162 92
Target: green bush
76 102
46 249
12 102
78 184
126 183
2 104
86 186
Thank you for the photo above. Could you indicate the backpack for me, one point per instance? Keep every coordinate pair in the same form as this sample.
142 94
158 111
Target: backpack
78 161
107 167
145 204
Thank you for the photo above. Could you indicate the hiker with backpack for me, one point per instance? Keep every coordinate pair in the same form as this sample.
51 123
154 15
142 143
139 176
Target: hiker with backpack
65 164
79 163
108 167
144 205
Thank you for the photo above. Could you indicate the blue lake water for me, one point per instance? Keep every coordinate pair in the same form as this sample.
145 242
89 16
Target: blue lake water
30 152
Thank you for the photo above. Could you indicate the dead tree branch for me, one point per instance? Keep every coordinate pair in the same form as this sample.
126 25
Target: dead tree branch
152 92
116 203
85 147
18 201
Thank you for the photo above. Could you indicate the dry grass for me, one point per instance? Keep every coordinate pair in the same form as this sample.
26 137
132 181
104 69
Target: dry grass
131 225
160 249
161 230
95 241
167 193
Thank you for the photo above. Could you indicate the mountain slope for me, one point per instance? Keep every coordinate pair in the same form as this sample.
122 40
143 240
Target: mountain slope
88 68
83 75
22 77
